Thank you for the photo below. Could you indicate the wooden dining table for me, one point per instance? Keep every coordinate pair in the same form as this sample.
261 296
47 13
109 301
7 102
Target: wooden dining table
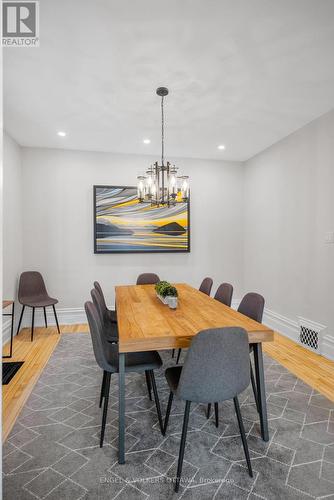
146 324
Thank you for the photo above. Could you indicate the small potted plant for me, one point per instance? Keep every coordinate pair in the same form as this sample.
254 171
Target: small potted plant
167 293
160 289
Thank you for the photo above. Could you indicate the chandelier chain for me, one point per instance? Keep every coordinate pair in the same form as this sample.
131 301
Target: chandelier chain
162 130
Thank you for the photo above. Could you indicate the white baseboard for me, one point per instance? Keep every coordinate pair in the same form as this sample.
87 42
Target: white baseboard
290 328
66 316
277 322
75 315
328 347
6 324
281 324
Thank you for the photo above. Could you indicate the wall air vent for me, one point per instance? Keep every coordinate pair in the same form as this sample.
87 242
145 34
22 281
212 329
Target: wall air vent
310 334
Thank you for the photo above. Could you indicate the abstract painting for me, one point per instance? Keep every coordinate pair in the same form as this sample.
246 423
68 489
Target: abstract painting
124 225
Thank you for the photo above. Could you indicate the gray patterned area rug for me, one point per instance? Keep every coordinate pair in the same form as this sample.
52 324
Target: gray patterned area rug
53 450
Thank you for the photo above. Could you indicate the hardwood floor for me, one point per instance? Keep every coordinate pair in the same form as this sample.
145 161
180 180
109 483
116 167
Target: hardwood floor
315 370
35 356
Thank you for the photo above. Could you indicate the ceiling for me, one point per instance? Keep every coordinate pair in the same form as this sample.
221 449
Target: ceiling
241 73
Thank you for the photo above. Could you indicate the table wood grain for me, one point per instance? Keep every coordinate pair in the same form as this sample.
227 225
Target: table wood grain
145 324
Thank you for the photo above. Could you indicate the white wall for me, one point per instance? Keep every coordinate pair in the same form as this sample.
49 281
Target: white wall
58 223
260 225
12 222
289 207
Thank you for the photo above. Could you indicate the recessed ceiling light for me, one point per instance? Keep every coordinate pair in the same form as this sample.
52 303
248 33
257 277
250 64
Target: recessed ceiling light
147 141
61 134
221 146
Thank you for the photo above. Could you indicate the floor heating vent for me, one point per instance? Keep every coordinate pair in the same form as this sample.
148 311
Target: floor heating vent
310 334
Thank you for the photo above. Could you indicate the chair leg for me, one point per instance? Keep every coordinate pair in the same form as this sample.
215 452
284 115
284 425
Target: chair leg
178 356
173 353
46 321
243 435
102 388
182 445
32 324
169 406
54 311
20 321
105 406
254 386
157 401
208 411
149 385
216 415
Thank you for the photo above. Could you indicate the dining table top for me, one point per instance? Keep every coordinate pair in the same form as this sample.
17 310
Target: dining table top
145 323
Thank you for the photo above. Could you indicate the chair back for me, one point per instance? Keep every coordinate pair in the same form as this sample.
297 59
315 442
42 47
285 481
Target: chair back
31 285
98 288
106 354
99 297
224 294
252 305
206 286
147 279
103 315
216 367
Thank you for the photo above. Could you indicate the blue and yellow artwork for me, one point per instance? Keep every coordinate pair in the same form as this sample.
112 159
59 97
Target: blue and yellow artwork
123 224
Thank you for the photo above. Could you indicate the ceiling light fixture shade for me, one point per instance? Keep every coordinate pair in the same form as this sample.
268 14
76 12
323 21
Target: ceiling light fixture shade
160 185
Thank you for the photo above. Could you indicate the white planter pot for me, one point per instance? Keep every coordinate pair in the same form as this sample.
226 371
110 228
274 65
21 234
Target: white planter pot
164 300
168 301
172 302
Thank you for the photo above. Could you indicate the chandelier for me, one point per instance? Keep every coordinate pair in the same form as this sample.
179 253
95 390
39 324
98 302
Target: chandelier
160 185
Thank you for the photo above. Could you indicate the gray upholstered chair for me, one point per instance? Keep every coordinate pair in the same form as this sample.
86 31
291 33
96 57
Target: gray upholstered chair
109 327
216 368
206 286
106 356
32 293
252 305
224 294
110 332
112 316
147 279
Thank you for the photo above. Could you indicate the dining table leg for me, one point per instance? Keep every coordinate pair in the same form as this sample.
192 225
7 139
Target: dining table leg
121 408
261 390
